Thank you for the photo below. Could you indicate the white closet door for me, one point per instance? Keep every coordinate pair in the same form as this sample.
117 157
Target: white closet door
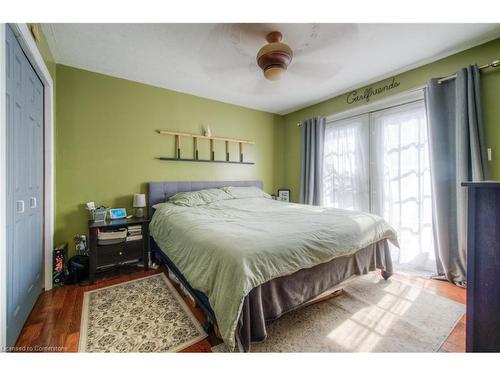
401 187
346 164
24 103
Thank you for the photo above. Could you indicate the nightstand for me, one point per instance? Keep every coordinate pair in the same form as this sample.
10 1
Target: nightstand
101 256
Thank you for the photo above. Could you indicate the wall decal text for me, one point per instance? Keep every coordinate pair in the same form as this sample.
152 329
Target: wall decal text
358 96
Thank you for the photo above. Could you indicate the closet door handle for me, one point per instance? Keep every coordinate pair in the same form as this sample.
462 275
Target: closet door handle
20 206
32 202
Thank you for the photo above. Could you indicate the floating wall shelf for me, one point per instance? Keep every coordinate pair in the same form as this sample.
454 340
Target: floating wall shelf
195 138
209 161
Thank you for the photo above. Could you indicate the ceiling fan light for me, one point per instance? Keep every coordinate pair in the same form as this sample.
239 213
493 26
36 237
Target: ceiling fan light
274 72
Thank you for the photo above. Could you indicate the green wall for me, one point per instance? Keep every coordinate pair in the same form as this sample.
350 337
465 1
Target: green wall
289 141
107 142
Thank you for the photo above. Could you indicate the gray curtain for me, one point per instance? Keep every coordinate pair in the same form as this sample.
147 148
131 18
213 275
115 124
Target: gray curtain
457 153
311 167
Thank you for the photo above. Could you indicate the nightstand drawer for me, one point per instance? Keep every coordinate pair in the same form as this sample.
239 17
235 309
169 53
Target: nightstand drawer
111 254
134 248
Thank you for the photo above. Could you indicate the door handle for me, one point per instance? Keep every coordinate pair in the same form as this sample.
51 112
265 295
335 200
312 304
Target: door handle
20 206
32 202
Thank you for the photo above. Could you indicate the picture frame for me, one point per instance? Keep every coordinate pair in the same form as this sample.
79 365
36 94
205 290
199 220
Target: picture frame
99 214
283 195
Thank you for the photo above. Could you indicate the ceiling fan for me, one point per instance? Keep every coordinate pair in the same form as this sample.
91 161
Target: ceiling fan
274 57
237 57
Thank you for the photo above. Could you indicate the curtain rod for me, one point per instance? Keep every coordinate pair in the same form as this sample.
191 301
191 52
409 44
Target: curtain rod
493 64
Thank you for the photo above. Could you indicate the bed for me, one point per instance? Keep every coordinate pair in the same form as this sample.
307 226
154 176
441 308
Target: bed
248 261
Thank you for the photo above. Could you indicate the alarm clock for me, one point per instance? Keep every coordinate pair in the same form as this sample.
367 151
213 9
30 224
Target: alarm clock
117 213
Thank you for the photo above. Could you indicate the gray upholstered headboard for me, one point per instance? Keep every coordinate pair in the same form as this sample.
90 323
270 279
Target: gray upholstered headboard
159 192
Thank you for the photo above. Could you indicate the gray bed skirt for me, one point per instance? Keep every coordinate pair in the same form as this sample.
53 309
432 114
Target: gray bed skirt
271 300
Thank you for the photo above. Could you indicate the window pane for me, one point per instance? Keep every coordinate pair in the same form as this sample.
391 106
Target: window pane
401 191
346 168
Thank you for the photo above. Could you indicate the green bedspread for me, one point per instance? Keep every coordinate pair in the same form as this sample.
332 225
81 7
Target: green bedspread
226 248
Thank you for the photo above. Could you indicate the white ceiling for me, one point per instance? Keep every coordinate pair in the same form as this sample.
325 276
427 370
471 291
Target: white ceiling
217 61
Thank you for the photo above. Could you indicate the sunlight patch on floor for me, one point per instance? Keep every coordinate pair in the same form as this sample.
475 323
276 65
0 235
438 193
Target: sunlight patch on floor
366 327
353 336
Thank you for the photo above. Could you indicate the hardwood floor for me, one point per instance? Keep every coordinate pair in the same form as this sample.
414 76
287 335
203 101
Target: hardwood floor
54 323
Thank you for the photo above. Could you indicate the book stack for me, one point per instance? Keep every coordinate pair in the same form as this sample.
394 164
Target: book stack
110 237
134 233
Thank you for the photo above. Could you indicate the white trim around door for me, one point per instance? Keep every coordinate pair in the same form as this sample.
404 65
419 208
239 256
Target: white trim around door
31 51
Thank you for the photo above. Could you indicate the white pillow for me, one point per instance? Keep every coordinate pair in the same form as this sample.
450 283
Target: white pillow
245 192
200 197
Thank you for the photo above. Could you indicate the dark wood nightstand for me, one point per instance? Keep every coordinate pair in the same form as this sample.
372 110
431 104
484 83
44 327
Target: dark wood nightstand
107 255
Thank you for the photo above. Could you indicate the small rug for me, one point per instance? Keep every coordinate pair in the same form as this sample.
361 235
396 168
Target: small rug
371 315
143 315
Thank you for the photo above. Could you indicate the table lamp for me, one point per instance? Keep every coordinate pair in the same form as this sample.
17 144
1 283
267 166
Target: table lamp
139 203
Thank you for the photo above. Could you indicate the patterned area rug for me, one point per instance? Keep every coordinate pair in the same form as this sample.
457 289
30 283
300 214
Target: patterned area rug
143 315
371 315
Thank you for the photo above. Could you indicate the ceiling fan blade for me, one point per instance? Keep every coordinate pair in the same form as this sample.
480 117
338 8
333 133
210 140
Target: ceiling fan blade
320 71
257 31
262 86
222 69
328 37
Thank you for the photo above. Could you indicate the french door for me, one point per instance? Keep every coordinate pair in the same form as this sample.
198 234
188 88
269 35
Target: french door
378 162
